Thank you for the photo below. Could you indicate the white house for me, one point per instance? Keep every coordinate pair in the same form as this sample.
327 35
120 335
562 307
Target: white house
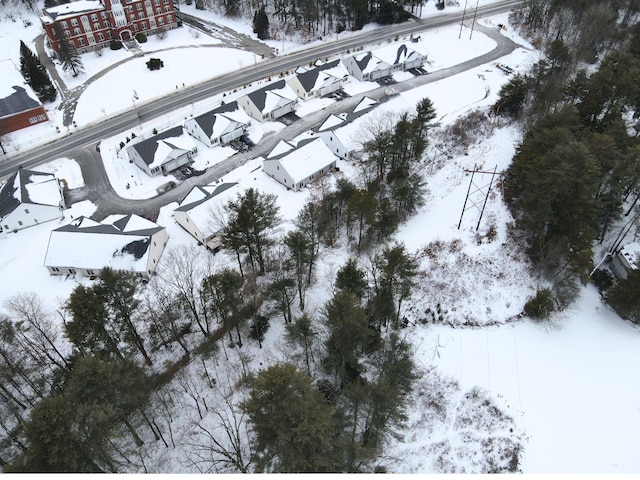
373 65
163 152
197 212
296 164
219 126
269 102
318 81
330 130
122 242
626 260
28 198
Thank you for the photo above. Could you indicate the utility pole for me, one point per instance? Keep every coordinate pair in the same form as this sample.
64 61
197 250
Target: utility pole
474 191
464 12
475 13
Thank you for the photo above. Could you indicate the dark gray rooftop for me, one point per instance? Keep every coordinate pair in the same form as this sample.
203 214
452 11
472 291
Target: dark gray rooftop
308 79
115 229
147 148
258 97
17 102
208 120
10 198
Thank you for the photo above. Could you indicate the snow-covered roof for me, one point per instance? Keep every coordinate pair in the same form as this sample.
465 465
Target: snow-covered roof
396 54
334 121
202 200
305 159
223 119
272 96
631 255
121 242
322 75
15 95
66 10
29 187
164 146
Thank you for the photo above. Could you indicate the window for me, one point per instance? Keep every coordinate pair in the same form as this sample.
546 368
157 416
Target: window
135 27
154 243
63 24
90 272
19 222
144 25
26 210
107 24
167 8
74 22
110 34
94 17
169 18
96 26
158 11
161 21
67 33
55 269
72 271
139 6
81 41
100 37
103 15
77 31
156 2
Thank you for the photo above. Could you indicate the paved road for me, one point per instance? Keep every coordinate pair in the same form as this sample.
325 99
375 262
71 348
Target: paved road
88 136
99 191
81 144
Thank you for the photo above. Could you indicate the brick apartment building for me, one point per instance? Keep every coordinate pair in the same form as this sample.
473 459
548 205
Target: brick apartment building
92 24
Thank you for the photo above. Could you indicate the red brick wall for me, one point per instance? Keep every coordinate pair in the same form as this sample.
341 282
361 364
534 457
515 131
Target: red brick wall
22 120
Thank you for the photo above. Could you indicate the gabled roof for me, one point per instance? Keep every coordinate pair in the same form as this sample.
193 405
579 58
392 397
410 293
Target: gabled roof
367 62
15 95
396 54
272 96
29 187
303 159
203 199
120 241
334 122
631 255
318 76
155 150
220 120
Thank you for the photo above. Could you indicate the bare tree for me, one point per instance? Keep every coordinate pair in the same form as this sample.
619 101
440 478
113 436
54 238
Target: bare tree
183 270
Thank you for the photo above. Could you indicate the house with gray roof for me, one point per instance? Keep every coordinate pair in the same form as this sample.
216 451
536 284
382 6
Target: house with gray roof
330 132
319 81
19 105
199 212
382 62
269 102
29 198
219 126
163 152
121 242
295 164
626 260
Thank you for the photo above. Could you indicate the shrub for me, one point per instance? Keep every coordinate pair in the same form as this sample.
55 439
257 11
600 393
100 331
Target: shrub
541 305
141 37
603 279
115 45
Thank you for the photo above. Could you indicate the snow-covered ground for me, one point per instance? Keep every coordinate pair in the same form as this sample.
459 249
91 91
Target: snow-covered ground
567 390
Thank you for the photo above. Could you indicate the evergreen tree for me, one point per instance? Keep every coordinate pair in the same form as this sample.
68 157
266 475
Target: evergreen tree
261 24
36 75
294 430
624 297
251 218
67 54
352 279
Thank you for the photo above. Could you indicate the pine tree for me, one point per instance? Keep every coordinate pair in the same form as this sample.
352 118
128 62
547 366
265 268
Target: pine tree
36 75
68 55
261 24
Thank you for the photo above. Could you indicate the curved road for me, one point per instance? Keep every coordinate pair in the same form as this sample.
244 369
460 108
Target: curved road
81 144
